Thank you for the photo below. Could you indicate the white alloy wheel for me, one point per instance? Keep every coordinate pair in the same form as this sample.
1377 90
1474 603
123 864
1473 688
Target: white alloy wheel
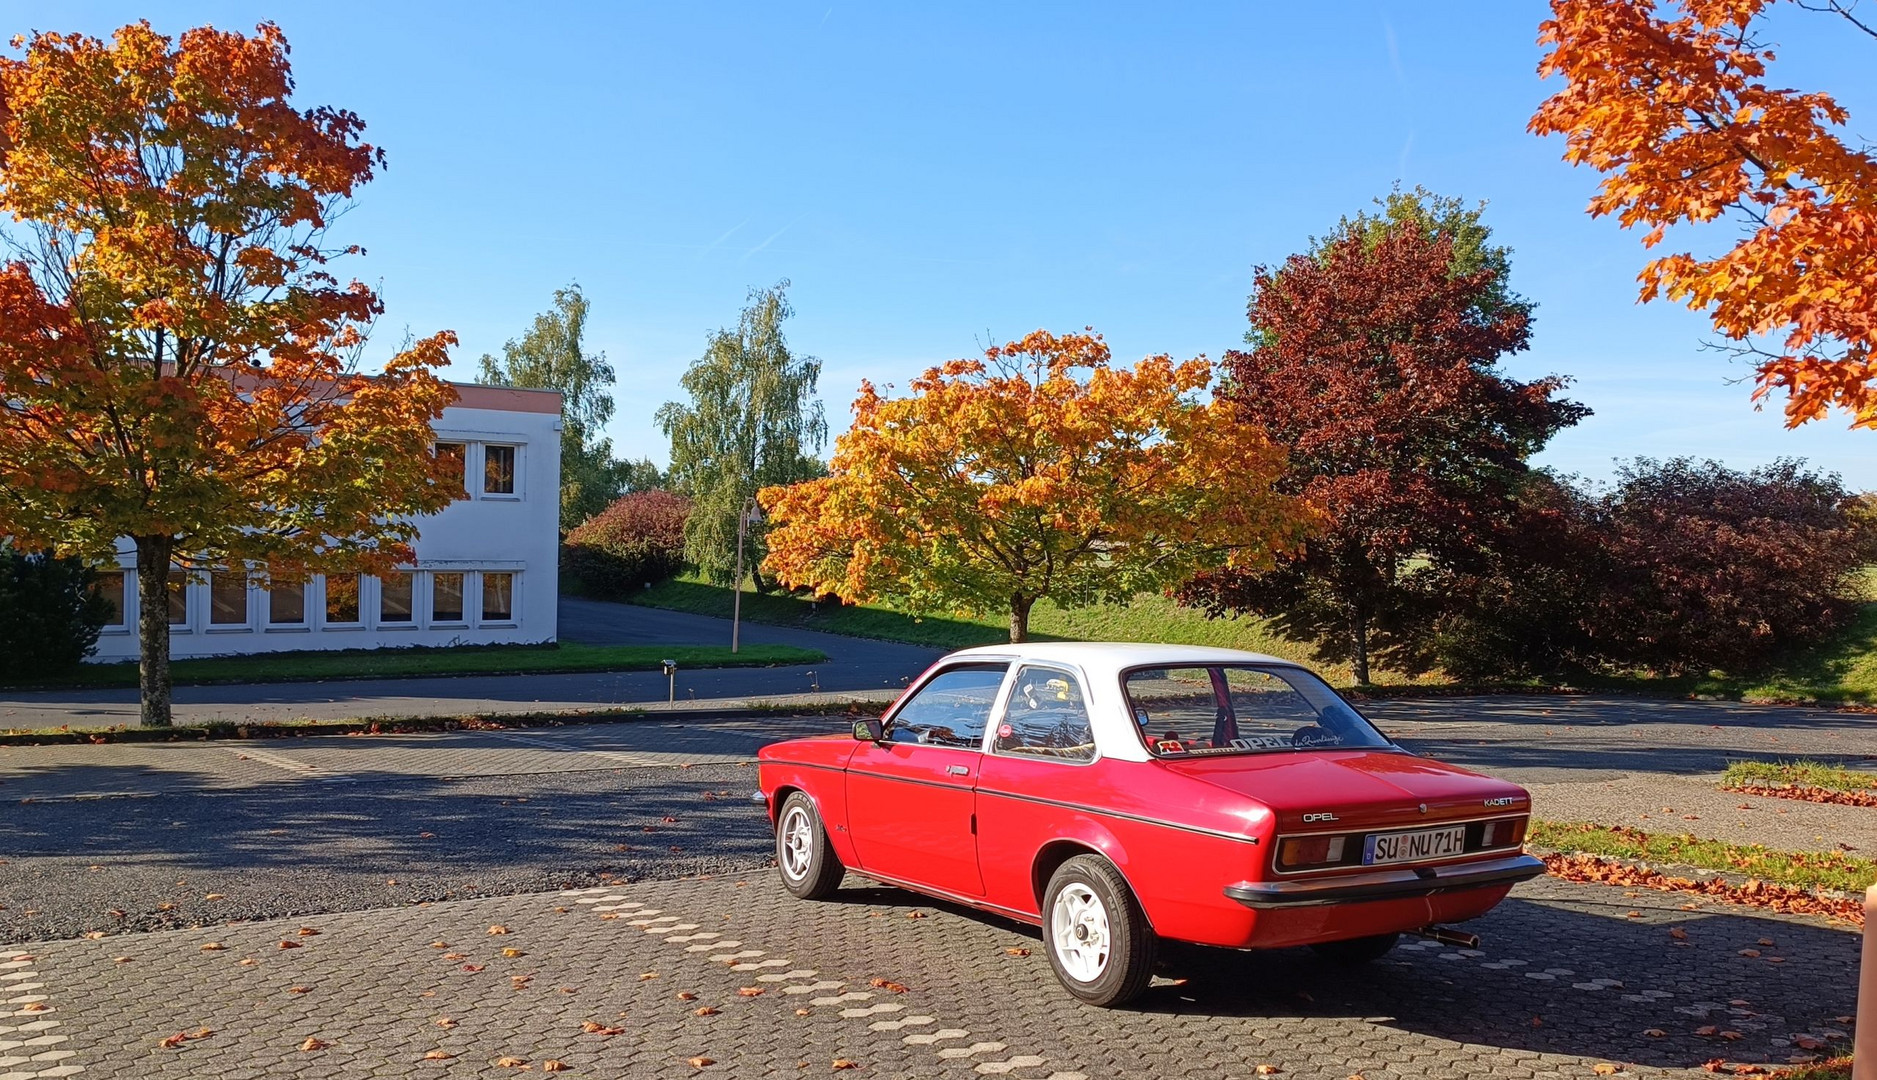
798 842
1078 924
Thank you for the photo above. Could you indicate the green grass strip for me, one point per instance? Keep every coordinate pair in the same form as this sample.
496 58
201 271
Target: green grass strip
1798 774
1812 869
416 662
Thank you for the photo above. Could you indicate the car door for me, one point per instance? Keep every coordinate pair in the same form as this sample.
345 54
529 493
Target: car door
910 797
1042 765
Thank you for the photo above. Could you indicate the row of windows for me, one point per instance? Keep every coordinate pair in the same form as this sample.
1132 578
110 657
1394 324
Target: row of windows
496 462
403 599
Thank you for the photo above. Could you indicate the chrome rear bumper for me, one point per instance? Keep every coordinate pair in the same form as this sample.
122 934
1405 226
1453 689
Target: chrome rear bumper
1386 884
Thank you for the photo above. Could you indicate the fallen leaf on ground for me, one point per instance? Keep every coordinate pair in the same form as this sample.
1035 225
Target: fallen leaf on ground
686 995
592 1027
94 934
1013 951
886 984
247 961
554 1065
213 946
707 1010
312 1043
1678 933
498 929
750 991
309 931
648 975
215 896
291 945
1655 1033
804 1012
473 968
512 1062
1768 942
439 944
1708 1030
120 959
844 1063
438 1055
1730 1036
1750 953
915 914
35 1006
299 989
454 955
700 1062
1267 1070
1807 1042
445 1022
1604 1068
512 953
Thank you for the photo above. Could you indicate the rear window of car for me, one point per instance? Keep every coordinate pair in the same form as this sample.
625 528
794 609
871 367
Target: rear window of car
1206 709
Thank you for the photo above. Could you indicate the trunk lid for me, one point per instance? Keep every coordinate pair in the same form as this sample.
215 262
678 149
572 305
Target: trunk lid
1364 789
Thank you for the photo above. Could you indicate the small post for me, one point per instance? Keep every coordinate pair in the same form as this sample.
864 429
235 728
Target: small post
671 679
1864 1039
747 514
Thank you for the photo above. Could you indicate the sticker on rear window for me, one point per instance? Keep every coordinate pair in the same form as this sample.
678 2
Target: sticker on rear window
1170 746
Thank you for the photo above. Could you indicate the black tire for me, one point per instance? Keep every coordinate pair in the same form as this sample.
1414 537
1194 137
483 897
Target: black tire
1356 951
1126 964
809 867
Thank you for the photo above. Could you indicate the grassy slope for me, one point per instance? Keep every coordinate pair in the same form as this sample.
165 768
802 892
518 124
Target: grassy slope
1147 618
1841 670
461 660
1799 774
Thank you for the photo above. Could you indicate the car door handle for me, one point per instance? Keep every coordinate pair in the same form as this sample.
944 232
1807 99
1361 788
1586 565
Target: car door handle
958 770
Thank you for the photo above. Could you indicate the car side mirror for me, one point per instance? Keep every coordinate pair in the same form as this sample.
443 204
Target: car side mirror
870 730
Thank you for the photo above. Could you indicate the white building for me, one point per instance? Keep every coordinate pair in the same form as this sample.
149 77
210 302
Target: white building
487 569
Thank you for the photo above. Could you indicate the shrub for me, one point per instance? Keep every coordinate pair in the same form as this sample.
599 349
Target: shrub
636 541
1682 566
49 617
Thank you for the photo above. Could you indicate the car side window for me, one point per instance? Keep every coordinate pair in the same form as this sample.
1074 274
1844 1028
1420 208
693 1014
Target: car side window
952 709
1047 717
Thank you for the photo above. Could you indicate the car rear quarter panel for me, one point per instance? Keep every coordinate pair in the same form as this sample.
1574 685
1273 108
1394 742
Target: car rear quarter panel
1166 834
816 767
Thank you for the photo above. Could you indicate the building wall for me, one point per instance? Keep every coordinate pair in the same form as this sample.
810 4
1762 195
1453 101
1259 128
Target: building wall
489 539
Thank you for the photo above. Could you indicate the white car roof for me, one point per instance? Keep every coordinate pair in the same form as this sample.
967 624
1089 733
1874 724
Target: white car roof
1112 656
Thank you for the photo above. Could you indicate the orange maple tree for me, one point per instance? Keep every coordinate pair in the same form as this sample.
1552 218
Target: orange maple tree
178 366
1670 100
1038 471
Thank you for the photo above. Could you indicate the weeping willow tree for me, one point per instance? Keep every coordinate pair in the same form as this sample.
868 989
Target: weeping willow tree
752 421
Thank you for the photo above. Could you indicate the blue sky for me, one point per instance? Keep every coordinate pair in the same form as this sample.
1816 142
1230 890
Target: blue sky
934 176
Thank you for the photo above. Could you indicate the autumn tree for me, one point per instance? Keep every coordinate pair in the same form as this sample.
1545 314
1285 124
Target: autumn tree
1374 361
178 363
1670 99
752 421
1039 471
552 355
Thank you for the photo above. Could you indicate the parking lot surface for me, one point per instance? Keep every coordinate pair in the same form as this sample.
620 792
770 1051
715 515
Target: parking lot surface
196 861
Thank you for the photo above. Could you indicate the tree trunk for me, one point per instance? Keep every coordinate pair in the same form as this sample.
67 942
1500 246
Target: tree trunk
1020 616
1359 632
153 679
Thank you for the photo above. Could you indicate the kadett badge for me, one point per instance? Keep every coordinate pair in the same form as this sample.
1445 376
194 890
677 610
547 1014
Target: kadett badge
1505 801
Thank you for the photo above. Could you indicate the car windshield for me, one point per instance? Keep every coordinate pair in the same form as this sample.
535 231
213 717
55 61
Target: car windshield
1198 709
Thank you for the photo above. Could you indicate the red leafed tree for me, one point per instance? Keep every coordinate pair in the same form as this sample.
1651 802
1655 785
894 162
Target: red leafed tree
1670 99
178 364
1374 362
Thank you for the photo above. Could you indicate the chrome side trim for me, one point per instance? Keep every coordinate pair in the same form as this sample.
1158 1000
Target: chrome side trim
1385 884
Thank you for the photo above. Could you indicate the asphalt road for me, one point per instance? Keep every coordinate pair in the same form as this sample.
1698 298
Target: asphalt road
853 664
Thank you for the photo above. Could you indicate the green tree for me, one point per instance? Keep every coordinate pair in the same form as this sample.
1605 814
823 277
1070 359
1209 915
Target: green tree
552 356
753 422
49 615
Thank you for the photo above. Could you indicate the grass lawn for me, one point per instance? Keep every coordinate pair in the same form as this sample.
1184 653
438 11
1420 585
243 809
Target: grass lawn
460 660
1798 774
1842 670
1148 618
1814 869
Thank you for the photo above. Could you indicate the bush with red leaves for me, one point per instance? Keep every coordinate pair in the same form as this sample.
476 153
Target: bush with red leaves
636 541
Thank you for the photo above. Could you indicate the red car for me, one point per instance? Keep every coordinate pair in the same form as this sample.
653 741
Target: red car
1120 795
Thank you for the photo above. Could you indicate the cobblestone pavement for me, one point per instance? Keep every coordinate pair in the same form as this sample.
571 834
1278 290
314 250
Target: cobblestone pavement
730 976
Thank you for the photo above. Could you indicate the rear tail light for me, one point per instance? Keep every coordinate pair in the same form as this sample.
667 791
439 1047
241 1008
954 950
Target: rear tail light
1505 832
1303 852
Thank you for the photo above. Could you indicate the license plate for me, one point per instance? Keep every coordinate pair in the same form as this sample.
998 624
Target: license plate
1381 848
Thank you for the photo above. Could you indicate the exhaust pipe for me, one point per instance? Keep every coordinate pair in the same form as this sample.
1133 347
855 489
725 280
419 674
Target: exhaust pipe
1447 936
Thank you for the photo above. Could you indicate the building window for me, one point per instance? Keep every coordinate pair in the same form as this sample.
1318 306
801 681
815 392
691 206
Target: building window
394 598
178 598
342 599
498 470
286 603
498 597
228 598
453 466
446 598
109 585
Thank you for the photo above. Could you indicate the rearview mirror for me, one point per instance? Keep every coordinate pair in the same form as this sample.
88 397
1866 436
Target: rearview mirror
870 730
